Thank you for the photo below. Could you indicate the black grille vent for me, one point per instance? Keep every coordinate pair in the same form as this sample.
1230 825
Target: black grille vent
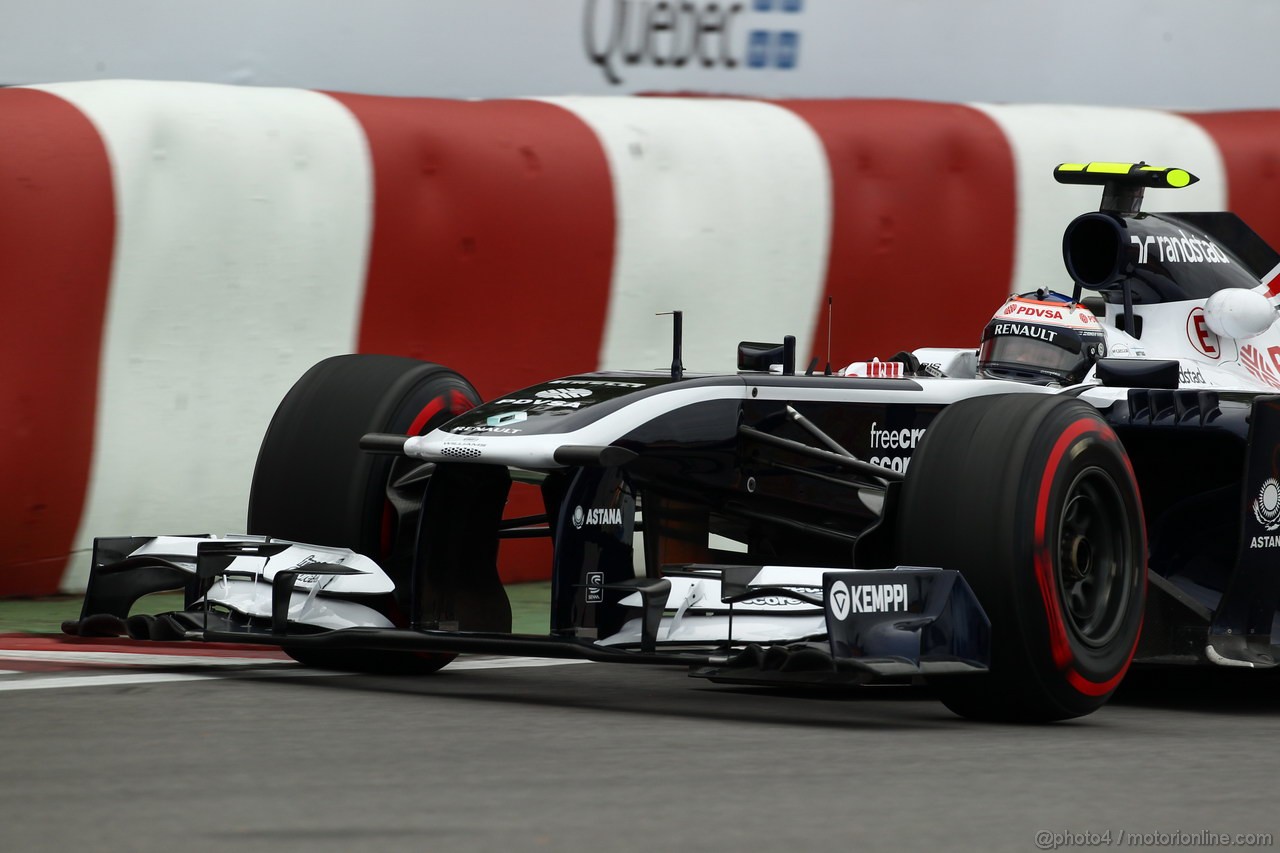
1173 408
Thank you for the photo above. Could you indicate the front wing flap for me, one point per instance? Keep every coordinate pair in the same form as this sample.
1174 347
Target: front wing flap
260 580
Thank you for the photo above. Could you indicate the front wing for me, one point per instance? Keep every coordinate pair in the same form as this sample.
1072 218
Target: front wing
771 624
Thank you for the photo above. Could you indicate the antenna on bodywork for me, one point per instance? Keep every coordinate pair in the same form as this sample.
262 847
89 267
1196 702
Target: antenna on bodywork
830 299
677 342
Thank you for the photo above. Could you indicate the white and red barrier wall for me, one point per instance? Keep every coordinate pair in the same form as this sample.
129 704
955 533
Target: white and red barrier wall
175 255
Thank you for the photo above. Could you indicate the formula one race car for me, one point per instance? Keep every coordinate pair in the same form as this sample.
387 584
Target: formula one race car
1097 483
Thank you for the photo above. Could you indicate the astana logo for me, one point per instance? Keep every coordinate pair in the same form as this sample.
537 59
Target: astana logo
1266 507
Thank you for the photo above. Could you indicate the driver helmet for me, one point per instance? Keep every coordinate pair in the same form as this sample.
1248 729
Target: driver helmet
1041 337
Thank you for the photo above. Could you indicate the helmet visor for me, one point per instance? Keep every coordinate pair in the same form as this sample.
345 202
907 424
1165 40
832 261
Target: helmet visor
1015 351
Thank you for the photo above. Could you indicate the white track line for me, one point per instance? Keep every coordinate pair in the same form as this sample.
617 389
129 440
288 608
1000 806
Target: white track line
509 663
136 658
116 679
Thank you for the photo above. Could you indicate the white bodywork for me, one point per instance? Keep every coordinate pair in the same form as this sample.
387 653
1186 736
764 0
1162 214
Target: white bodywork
1208 359
700 616
253 598
1229 341
246 588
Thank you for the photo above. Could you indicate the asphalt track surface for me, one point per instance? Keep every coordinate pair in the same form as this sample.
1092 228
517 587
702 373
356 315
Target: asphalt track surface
187 753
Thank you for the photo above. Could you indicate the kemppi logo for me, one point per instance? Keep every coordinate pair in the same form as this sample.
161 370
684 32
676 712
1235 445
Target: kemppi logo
845 599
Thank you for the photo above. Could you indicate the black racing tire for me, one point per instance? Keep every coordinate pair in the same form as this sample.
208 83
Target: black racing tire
313 484
1033 499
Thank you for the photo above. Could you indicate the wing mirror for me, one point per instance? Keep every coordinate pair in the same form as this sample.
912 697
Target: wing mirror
753 355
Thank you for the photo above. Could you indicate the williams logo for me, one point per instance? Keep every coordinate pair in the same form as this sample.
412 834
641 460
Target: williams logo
562 393
596 516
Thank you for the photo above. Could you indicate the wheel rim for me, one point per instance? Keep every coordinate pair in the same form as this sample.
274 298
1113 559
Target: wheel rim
1094 571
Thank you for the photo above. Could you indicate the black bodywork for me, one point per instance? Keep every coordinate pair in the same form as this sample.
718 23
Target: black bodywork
736 466
747 470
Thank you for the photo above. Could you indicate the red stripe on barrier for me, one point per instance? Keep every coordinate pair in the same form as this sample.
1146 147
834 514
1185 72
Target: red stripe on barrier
492 247
923 224
493 237
1247 142
55 265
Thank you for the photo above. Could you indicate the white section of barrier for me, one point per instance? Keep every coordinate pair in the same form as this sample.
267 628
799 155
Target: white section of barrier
1043 136
723 211
242 229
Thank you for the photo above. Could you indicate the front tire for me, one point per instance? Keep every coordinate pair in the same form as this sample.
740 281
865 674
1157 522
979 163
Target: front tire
313 484
1032 498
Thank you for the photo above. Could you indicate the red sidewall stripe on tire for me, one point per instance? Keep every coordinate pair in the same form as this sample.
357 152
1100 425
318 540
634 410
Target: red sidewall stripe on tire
428 412
1059 643
457 403
55 262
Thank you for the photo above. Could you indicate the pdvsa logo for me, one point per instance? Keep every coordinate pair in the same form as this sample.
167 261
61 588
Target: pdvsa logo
1049 312
761 34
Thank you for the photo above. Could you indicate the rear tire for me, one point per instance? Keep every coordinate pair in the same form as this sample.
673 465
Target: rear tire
1032 498
313 484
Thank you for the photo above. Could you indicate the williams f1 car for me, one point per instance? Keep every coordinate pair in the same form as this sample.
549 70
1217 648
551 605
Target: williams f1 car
1096 483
